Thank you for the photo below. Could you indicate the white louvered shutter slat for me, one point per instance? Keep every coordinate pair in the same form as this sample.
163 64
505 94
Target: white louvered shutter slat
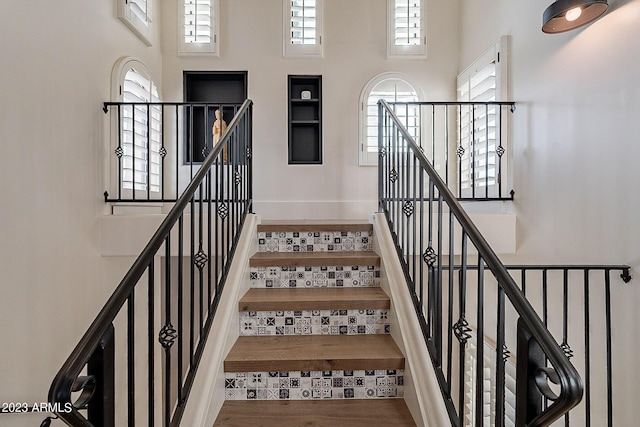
141 133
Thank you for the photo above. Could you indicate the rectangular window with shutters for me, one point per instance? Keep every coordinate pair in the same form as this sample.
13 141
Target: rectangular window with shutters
480 129
136 14
302 28
406 32
199 22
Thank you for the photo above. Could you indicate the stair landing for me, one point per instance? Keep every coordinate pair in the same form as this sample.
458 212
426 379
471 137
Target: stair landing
316 413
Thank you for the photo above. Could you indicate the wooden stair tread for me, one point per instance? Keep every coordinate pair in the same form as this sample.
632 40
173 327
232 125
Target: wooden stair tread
291 299
314 225
314 259
315 413
314 353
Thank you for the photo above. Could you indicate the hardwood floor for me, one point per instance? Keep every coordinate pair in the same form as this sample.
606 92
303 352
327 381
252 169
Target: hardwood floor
316 413
314 353
333 298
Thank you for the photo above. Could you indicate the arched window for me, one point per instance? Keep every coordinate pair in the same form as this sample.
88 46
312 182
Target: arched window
392 87
140 139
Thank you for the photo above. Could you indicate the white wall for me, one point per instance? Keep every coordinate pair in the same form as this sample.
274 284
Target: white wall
354 52
575 138
576 149
56 71
577 106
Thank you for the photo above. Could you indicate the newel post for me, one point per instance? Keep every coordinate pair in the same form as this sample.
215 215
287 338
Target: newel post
101 366
530 361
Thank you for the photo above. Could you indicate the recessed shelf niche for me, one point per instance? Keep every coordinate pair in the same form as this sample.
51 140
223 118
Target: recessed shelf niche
305 119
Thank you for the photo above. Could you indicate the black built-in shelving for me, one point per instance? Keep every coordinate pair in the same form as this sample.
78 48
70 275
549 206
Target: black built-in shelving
305 119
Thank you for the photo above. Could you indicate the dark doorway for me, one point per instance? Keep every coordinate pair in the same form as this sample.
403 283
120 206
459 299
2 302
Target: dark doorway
223 90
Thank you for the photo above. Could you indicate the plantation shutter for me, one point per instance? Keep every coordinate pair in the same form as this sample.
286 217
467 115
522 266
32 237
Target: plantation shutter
489 391
136 14
392 90
141 133
139 9
509 394
198 22
406 32
303 28
303 22
477 127
407 23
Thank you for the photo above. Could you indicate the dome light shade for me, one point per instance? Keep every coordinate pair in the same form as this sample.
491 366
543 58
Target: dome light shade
566 15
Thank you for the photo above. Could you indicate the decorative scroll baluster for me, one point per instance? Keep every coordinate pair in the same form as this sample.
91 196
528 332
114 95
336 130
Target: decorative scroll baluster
502 354
168 334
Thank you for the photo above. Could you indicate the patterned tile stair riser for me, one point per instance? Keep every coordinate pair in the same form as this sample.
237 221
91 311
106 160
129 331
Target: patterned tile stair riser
314 322
310 385
305 277
324 241
359 384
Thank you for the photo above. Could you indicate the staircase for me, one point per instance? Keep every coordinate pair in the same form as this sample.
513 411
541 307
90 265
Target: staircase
314 346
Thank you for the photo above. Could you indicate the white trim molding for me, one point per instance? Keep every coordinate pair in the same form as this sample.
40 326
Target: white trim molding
424 399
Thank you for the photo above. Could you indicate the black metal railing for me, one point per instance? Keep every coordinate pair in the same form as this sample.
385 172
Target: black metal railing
437 243
166 301
575 303
157 147
467 143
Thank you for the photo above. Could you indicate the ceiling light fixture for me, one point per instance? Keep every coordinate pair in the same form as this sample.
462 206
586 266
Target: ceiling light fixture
565 15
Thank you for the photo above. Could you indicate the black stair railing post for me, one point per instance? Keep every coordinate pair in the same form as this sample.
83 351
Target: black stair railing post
528 402
101 366
529 363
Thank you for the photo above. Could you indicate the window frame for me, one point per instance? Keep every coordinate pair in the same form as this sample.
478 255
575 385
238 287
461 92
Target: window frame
497 54
291 50
394 51
141 28
366 157
212 48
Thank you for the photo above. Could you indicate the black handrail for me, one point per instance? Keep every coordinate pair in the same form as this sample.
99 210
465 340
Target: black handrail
233 200
402 166
545 284
591 347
